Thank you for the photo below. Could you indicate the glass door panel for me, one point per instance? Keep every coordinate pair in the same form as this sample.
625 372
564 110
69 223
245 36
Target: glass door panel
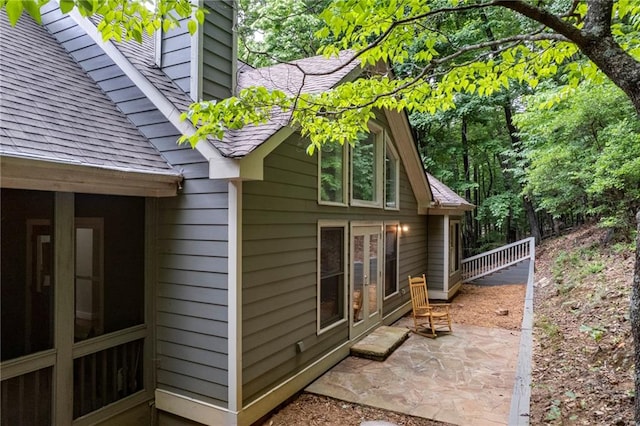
365 278
358 277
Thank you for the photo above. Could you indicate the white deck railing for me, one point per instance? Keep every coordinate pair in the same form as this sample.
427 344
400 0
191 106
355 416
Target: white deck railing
491 261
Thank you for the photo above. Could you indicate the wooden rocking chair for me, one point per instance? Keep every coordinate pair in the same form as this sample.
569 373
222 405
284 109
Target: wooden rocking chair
427 316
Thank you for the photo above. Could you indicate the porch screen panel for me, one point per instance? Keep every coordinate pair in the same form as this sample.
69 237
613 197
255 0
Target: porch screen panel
107 376
109 285
332 276
26 280
26 399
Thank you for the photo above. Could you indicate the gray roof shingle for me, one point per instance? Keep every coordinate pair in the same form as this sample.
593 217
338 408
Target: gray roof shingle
309 75
287 77
51 110
445 196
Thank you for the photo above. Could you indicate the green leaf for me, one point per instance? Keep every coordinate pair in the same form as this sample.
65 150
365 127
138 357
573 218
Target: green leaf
33 9
14 11
66 6
192 26
200 16
166 25
86 6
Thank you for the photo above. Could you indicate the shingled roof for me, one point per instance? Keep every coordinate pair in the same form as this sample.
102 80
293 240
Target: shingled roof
51 110
321 74
309 75
443 196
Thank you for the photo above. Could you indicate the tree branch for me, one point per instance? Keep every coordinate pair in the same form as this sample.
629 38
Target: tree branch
544 17
512 41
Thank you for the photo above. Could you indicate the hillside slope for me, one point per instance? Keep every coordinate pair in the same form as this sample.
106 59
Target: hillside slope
583 349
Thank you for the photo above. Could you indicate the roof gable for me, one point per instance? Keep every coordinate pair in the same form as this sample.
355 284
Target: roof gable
52 111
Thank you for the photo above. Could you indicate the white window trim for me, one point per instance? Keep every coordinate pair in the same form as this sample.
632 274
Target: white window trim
398 234
452 224
345 226
379 136
345 179
389 145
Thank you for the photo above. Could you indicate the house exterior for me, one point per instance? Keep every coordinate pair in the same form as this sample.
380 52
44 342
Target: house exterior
149 283
444 270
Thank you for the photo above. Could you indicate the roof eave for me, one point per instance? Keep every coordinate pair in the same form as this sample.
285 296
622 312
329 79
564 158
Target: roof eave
251 165
403 137
43 175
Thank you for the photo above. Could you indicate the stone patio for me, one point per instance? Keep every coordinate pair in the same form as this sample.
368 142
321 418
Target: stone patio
463 378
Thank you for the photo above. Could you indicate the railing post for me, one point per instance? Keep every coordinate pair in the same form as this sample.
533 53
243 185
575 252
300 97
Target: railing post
532 249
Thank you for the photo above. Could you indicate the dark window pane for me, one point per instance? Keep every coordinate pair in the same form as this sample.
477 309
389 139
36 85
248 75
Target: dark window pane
331 300
332 173
26 399
391 260
109 284
454 247
26 272
331 251
391 175
331 275
364 168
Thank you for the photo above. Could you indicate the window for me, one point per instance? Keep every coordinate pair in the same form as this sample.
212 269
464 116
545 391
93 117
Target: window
391 259
366 176
455 246
373 170
332 174
391 177
331 304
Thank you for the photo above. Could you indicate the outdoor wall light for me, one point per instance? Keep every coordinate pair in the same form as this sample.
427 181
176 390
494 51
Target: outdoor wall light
405 228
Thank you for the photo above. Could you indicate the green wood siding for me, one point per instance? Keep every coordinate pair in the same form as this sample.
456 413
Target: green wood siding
436 253
279 289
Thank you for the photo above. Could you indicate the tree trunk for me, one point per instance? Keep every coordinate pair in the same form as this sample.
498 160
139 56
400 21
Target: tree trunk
634 316
476 202
533 219
469 233
526 202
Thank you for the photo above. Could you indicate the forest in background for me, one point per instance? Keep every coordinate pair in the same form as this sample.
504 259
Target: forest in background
534 159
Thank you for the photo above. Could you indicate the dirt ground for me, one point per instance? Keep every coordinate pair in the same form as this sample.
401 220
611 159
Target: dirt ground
582 371
474 305
583 349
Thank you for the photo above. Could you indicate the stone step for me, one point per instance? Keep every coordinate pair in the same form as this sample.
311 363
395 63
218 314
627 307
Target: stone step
380 343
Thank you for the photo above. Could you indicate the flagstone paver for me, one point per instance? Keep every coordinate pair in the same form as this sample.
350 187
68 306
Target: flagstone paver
463 378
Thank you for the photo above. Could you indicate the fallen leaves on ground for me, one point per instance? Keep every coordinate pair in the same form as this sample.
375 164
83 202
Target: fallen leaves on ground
583 349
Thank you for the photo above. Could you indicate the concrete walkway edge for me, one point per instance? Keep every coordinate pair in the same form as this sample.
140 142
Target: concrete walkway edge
521 399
